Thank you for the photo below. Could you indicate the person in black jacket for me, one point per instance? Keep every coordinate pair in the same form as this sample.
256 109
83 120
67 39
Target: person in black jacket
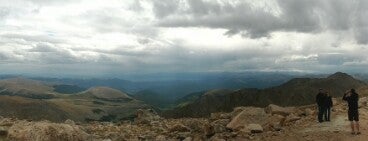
329 104
320 100
352 98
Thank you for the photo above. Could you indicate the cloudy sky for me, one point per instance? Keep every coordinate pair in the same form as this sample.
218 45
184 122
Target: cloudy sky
100 37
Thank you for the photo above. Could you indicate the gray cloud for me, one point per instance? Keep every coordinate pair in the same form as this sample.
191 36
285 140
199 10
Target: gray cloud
254 21
43 47
33 38
183 35
163 8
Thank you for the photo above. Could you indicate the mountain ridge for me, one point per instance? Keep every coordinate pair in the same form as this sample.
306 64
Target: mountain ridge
295 92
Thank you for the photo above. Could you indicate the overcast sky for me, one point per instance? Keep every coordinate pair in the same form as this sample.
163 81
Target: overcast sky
111 37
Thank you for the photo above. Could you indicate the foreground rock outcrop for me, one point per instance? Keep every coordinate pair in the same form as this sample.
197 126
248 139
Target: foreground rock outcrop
46 131
243 123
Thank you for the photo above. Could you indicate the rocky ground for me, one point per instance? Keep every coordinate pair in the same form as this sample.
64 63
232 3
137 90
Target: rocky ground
244 123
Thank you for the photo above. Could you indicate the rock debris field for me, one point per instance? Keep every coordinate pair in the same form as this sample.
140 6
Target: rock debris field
273 123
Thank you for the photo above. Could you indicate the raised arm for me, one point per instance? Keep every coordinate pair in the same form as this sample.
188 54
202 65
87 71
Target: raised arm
345 97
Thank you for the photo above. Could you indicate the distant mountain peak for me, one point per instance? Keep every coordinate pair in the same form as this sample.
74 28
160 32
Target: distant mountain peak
340 75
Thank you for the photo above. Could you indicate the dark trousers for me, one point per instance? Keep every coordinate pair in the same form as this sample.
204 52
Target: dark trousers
327 113
321 112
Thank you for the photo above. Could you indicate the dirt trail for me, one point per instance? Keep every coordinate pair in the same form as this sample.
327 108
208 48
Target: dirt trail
336 130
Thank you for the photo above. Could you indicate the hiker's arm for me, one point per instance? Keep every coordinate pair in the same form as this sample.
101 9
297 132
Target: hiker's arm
344 97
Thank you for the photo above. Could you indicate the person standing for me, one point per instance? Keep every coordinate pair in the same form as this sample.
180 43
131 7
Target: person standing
328 105
320 100
352 98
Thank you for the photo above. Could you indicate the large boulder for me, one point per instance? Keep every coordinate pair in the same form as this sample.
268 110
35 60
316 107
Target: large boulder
284 111
46 131
248 115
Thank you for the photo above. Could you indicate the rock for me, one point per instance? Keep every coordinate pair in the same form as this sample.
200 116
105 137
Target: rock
4 131
255 128
308 112
274 109
247 116
188 139
146 116
292 118
195 125
244 133
222 121
6 122
179 128
277 127
236 111
218 128
69 121
335 102
45 131
209 130
362 102
216 139
160 138
216 116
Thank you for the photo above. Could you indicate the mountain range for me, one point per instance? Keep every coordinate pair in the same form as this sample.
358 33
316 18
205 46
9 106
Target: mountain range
295 92
56 101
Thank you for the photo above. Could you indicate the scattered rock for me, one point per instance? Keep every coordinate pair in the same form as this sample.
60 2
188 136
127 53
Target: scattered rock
6 122
247 116
363 102
3 131
255 128
308 112
216 139
274 109
292 118
45 131
160 138
146 116
179 128
209 130
69 121
188 139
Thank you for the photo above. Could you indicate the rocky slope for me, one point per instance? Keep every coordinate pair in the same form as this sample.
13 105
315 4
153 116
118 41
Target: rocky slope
296 92
273 123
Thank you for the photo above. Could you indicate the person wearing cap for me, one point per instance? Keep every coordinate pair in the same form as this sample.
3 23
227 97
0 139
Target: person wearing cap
320 100
351 97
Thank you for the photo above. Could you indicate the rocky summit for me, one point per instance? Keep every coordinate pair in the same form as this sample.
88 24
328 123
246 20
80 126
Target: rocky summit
273 123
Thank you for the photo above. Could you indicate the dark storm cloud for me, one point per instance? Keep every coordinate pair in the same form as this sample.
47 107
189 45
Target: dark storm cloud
163 8
248 19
